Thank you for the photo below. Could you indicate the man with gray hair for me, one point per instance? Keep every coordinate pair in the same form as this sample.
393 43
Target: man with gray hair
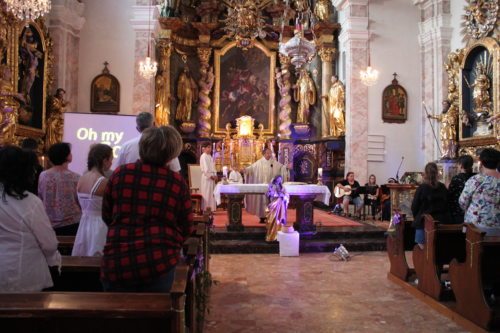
129 153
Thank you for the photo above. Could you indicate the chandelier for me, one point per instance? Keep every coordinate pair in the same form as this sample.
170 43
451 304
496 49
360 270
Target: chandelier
148 68
300 50
28 9
244 22
369 76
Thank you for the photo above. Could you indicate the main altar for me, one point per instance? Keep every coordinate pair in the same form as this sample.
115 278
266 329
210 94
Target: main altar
302 195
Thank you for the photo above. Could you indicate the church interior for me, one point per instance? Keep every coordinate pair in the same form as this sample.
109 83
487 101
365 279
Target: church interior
311 92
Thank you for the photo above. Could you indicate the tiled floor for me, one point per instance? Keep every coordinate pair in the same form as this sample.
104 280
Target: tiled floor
314 293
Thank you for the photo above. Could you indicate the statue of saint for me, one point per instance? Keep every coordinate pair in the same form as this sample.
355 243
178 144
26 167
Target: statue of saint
305 94
480 92
448 131
277 208
187 92
322 10
10 102
55 122
335 102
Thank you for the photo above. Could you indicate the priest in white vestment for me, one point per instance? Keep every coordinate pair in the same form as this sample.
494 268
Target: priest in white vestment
262 172
208 178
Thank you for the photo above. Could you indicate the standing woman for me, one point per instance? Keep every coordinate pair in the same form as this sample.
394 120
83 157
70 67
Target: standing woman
147 208
480 198
57 189
431 197
372 194
28 244
91 235
457 185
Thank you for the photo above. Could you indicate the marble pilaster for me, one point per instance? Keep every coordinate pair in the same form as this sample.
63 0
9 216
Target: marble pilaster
354 41
434 38
65 23
143 23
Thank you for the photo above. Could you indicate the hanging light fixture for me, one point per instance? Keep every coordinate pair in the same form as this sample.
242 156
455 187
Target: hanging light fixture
369 76
26 10
148 68
300 50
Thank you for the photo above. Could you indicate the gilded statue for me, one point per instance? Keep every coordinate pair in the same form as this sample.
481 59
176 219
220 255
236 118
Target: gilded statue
10 102
305 94
300 5
322 10
55 122
448 131
187 93
162 112
480 91
335 106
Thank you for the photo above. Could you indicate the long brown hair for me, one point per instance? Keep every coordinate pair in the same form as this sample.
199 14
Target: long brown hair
431 174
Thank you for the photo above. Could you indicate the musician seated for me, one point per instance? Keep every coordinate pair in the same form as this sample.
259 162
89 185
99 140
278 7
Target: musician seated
372 194
385 199
349 189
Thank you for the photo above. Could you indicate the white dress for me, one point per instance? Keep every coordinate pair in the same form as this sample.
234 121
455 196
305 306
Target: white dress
91 235
207 187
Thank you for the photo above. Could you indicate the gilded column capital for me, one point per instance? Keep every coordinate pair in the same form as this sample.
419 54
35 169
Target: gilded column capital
327 53
204 54
165 48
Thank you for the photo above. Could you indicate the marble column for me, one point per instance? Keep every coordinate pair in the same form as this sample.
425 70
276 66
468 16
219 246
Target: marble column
326 54
434 38
143 23
65 22
353 40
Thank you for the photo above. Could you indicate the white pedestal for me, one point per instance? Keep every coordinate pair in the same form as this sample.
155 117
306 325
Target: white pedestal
289 244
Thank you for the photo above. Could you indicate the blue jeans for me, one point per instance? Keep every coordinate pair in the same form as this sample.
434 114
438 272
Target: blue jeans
161 284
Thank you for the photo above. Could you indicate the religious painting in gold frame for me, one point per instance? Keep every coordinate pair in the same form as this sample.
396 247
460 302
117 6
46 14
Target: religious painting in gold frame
105 92
244 86
394 103
33 65
479 97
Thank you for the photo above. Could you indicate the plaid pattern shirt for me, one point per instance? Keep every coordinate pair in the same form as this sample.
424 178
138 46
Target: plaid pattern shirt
148 213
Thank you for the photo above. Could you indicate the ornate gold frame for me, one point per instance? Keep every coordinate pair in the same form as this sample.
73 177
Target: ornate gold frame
494 49
23 130
217 93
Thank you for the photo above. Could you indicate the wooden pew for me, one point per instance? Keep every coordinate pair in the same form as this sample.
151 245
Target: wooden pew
398 242
65 245
468 278
86 312
443 242
78 274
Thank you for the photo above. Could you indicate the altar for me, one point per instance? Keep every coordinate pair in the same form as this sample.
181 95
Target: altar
302 195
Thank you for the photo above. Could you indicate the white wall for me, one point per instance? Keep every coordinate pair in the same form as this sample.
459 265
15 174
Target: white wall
456 11
394 48
107 36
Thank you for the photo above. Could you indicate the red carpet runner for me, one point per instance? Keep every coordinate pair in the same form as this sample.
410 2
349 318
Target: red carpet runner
320 217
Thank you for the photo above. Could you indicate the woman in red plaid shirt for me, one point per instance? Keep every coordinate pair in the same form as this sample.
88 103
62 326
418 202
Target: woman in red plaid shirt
147 208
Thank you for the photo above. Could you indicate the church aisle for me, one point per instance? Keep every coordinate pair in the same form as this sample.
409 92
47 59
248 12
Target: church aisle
314 293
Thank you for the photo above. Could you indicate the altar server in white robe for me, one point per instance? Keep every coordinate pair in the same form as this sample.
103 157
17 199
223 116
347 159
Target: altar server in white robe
208 178
262 172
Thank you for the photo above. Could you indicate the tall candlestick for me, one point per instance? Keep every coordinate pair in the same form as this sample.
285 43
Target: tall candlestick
320 172
224 171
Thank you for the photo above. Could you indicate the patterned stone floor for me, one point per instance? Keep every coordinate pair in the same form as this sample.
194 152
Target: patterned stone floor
316 293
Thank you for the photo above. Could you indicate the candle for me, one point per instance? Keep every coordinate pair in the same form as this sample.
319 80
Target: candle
213 149
320 172
224 171
43 162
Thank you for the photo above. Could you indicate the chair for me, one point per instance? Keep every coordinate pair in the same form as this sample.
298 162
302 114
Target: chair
194 177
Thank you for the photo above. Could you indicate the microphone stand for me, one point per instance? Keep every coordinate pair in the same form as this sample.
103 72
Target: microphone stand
397 172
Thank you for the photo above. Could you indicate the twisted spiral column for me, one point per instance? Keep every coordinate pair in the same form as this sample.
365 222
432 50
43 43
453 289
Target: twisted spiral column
205 84
284 85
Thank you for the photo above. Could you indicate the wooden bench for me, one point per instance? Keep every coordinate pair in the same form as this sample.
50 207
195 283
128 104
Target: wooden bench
469 278
78 274
86 312
443 242
398 242
65 244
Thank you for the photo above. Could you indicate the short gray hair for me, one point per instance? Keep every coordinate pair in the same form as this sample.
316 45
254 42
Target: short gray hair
144 120
160 145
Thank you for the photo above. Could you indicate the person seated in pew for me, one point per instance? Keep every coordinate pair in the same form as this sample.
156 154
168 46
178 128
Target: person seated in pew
431 197
147 208
28 244
385 199
91 235
480 198
350 188
456 187
372 192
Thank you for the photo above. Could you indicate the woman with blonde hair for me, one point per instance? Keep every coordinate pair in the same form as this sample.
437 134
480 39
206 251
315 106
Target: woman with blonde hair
147 208
91 235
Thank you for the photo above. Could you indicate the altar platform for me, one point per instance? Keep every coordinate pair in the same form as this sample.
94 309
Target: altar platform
331 230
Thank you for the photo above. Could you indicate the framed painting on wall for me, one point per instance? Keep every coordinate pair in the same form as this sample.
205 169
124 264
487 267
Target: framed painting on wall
244 86
105 92
394 103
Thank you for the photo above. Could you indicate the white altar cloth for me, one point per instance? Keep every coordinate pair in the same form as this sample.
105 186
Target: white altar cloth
322 192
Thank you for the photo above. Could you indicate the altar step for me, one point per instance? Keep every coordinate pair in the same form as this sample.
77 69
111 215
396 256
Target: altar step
252 240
